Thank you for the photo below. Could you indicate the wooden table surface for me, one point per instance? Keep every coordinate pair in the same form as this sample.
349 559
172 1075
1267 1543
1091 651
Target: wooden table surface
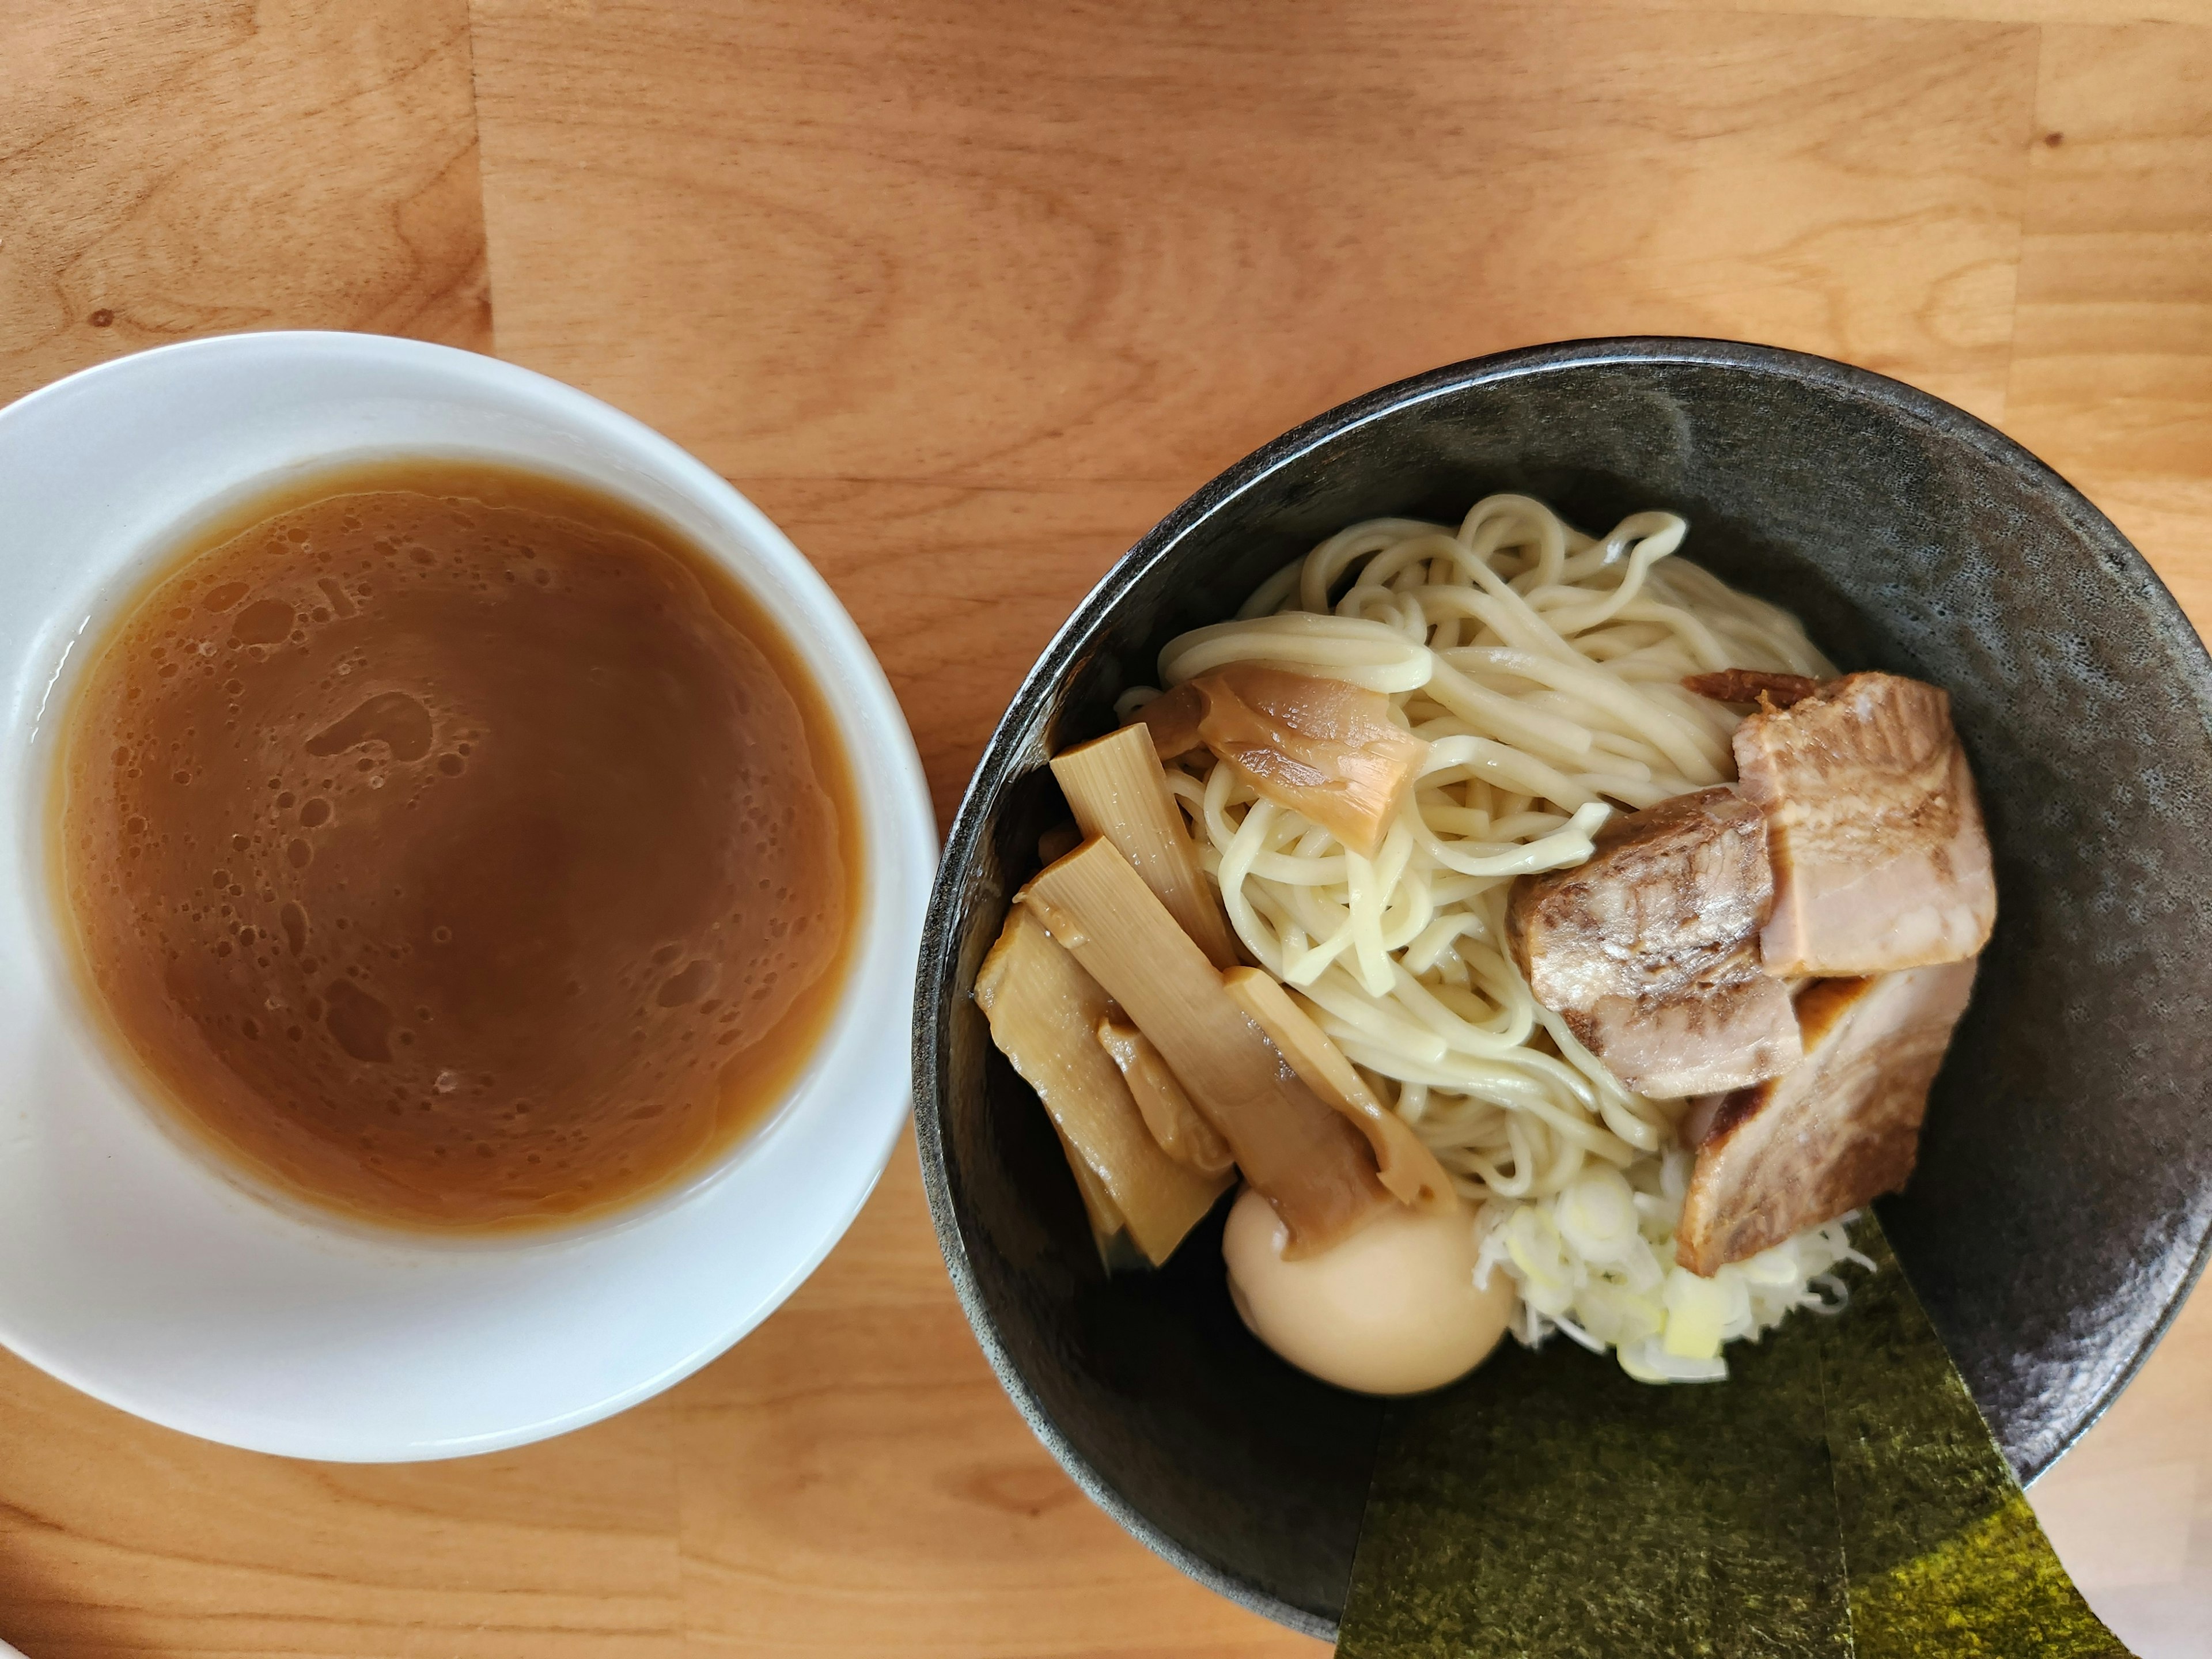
966 295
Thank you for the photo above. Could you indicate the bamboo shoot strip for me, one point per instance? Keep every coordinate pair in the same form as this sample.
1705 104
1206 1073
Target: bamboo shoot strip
1310 1164
1408 1168
1179 1126
1117 790
1044 1013
1107 1231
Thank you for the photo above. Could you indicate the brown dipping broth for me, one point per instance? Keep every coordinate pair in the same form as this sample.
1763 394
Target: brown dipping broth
455 847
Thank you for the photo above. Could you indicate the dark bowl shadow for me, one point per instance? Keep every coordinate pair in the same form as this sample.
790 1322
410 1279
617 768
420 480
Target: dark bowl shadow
2062 1205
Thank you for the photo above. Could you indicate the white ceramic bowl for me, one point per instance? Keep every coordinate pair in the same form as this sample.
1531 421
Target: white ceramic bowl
131 1266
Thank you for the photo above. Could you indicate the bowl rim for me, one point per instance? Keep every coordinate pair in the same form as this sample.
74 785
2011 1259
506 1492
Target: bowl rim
1003 756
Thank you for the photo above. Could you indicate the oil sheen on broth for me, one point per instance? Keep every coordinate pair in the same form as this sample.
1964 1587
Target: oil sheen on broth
455 847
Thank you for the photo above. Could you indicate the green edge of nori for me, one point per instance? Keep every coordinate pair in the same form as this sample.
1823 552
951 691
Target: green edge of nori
1838 1498
1945 1555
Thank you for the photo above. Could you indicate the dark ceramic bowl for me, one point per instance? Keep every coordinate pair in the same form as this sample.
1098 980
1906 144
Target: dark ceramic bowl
2064 1192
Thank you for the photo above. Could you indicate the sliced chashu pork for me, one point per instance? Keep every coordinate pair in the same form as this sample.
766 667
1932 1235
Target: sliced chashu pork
1649 948
1753 685
1880 858
1835 1132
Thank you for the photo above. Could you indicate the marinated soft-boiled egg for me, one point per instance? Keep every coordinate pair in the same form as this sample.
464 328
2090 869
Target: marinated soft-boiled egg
1392 1309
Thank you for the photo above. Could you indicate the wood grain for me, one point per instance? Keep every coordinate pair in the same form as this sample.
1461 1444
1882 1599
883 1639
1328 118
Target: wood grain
854 1480
174 169
2129 1509
2111 374
967 296
117 1537
982 266
958 586
980 243
1984 11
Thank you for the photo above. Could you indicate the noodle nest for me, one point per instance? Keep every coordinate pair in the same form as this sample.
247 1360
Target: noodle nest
1543 667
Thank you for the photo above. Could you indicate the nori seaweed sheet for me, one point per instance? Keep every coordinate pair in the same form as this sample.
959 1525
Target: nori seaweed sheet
1838 1498
1944 1553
